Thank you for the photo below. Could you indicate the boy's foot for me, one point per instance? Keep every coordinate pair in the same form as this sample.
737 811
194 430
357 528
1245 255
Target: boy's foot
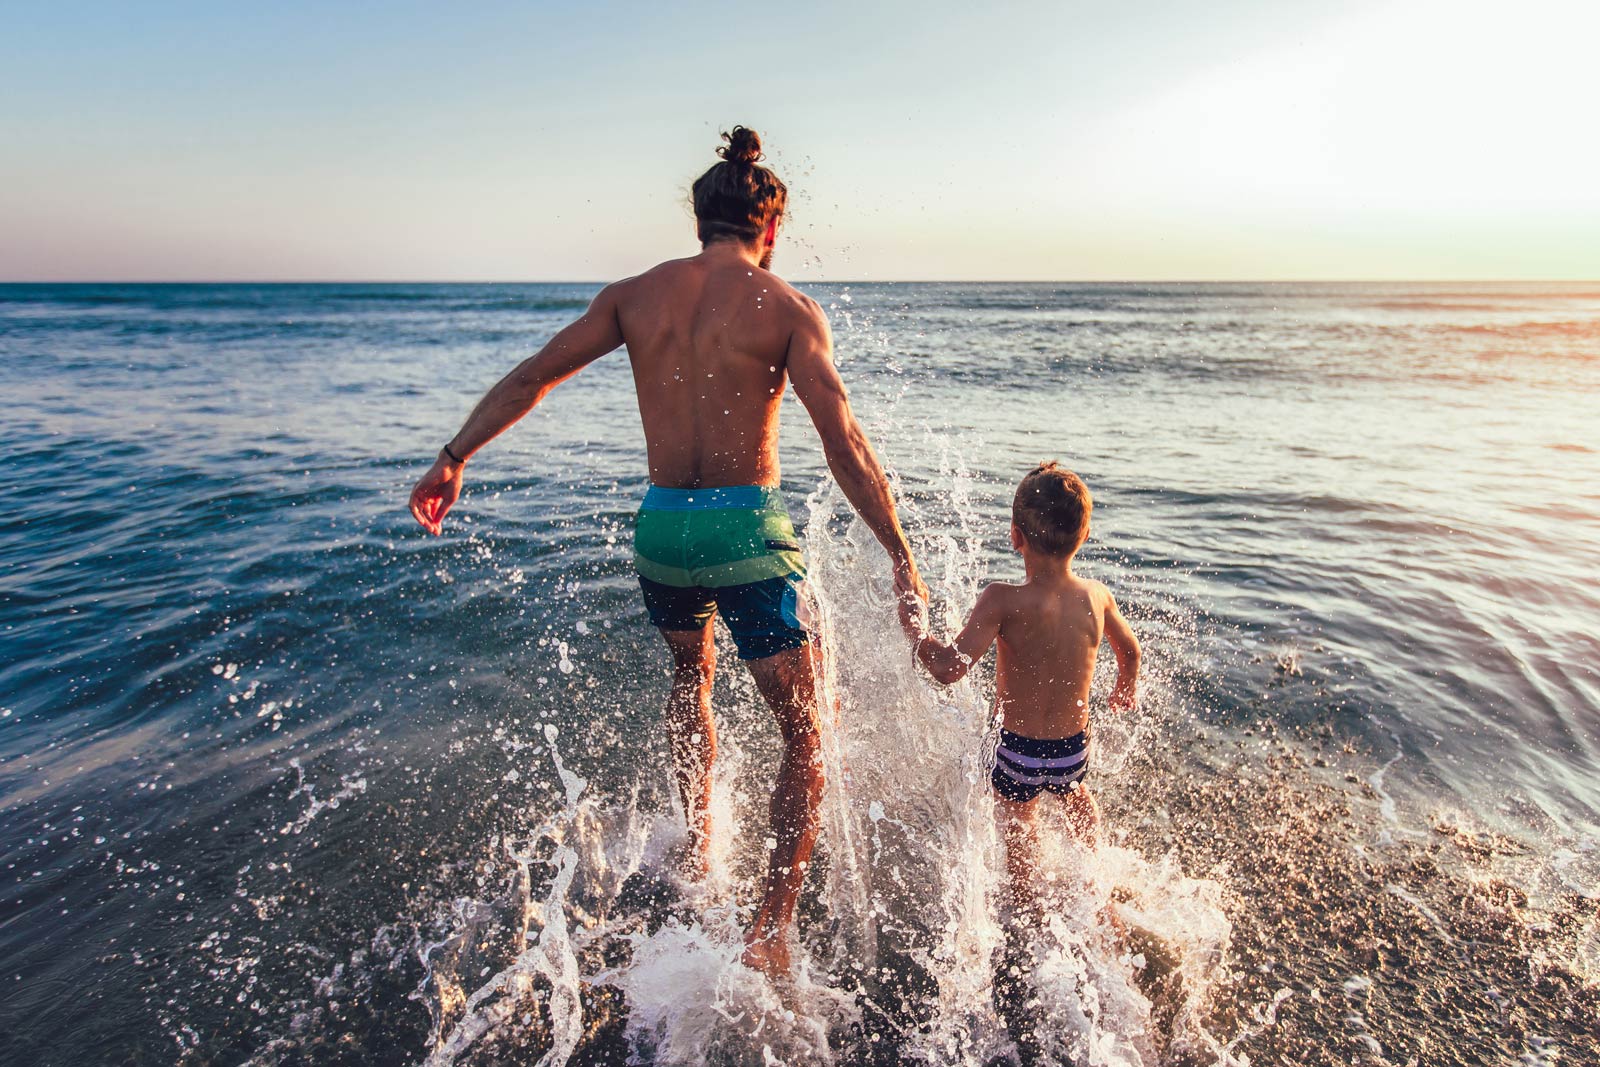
768 954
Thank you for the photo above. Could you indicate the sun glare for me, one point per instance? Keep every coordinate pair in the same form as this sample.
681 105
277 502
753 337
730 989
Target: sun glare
1418 109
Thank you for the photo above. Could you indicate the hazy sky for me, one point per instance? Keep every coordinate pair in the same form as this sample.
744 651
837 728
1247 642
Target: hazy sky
1052 140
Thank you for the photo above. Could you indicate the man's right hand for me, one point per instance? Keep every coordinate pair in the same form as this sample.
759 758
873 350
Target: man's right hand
435 493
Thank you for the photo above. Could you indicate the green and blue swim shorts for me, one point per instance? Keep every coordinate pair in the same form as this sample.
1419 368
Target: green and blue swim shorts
730 549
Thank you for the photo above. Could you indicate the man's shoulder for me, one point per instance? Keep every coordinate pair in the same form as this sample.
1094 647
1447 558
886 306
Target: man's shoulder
788 311
664 272
788 295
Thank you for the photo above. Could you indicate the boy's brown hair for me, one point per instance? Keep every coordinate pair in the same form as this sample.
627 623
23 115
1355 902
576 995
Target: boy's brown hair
1052 508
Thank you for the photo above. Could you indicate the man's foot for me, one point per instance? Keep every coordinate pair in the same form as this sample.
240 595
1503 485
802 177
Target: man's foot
768 954
692 858
1112 918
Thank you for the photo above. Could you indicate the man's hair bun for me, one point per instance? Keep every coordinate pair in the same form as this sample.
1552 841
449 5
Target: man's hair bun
737 197
744 146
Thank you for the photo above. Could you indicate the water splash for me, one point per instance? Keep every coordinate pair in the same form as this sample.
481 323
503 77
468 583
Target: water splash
903 942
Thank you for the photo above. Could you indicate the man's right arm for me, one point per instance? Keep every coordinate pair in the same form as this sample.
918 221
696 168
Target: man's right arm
595 333
850 456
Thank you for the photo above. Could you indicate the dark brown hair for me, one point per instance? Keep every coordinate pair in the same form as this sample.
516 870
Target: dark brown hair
737 198
1052 508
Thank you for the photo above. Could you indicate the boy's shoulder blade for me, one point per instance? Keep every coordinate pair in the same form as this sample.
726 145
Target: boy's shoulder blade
1000 593
997 588
1100 593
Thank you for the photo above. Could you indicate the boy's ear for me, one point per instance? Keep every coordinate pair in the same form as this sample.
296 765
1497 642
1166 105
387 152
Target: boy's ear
1018 541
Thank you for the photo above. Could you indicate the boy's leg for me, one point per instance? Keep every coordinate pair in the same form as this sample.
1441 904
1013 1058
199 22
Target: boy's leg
788 682
692 733
1083 822
1019 830
1083 816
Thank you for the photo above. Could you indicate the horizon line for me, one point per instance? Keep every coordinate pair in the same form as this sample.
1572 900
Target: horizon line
818 281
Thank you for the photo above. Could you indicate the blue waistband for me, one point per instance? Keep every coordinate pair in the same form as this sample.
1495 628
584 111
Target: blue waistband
748 497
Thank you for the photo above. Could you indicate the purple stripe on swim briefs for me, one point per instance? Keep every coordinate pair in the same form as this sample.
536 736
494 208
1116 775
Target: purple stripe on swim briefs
1048 779
1041 764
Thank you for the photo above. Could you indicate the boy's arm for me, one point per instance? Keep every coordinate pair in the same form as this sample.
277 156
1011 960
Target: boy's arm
575 347
1126 692
949 663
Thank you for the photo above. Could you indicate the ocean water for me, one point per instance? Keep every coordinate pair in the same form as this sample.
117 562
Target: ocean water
285 781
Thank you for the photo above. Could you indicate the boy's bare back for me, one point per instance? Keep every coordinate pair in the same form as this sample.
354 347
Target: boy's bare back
1048 640
1048 627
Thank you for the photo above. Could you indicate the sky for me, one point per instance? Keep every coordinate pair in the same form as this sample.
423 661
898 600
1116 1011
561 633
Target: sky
1037 139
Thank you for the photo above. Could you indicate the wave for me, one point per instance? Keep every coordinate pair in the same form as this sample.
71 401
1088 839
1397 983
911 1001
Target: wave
1531 329
169 301
1445 305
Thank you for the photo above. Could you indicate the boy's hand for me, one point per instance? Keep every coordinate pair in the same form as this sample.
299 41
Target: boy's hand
1125 697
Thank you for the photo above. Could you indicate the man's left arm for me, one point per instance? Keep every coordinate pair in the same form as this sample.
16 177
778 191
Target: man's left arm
845 446
597 332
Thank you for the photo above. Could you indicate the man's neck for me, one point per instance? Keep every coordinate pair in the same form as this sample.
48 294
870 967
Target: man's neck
725 251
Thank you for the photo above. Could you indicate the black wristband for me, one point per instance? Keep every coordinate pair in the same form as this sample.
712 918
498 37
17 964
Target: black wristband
459 461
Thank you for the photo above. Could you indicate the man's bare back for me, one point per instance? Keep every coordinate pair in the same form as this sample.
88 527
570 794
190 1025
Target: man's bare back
709 338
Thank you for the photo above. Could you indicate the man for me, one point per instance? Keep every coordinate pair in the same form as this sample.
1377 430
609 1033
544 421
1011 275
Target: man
713 340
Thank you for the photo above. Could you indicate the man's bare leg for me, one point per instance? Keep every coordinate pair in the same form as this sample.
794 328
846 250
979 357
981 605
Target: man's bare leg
692 734
788 683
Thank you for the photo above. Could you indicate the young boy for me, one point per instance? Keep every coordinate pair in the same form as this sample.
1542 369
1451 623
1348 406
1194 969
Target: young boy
1049 628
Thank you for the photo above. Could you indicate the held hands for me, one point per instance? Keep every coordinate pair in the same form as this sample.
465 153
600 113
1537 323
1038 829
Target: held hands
434 494
911 597
913 618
